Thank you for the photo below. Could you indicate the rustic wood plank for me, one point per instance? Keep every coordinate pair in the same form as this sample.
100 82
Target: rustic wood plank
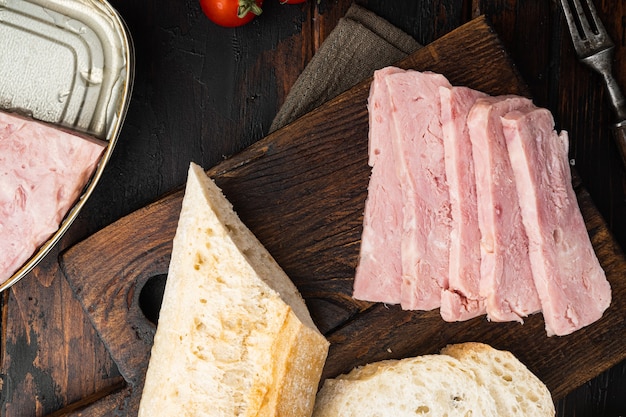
172 49
301 190
201 92
111 296
546 60
50 357
108 402
424 20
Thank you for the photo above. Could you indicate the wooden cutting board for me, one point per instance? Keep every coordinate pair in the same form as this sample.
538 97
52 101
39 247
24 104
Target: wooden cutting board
302 191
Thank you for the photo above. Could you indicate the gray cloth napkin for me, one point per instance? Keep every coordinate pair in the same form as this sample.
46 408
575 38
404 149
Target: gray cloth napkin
361 43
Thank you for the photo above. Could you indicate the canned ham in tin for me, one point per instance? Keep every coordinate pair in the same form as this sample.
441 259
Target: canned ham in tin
66 68
43 171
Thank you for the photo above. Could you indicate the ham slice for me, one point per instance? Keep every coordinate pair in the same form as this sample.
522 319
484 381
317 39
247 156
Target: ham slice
379 271
506 280
419 155
42 172
572 286
471 210
461 300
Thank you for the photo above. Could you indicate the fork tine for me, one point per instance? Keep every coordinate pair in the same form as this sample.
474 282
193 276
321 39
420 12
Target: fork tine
585 27
583 21
597 29
594 47
596 20
571 23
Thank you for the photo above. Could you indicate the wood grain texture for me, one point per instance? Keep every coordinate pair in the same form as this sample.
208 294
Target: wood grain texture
201 93
543 53
45 351
301 190
194 85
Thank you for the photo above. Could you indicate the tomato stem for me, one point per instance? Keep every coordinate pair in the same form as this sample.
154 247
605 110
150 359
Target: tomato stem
248 6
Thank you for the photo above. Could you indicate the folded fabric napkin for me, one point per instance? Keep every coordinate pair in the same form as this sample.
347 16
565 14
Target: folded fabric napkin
361 43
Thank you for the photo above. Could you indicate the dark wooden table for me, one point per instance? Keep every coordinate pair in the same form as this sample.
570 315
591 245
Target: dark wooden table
204 92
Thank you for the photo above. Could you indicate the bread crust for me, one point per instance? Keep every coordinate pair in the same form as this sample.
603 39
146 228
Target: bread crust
234 337
516 390
465 379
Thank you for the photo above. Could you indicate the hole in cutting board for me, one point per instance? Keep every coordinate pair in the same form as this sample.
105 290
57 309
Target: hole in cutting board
151 297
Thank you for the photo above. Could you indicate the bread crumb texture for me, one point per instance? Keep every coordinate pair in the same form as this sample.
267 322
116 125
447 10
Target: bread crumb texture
226 339
468 380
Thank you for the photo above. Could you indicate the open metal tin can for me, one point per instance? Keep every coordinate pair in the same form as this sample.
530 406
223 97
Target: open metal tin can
69 63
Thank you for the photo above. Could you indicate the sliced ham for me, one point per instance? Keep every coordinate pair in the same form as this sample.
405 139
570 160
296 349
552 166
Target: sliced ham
419 154
506 280
461 300
379 271
572 286
42 172
471 210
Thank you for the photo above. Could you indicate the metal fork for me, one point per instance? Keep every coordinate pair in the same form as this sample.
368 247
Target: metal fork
594 47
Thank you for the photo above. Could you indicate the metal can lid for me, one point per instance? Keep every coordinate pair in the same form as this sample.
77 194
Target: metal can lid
69 63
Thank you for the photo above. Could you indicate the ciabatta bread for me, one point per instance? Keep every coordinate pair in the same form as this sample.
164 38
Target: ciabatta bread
431 385
469 379
234 336
516 390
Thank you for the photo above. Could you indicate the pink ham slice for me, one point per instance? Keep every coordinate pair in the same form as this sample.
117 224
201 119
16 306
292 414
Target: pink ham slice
462 300
470 208
572 286
419 155
42 172
379 271
506 278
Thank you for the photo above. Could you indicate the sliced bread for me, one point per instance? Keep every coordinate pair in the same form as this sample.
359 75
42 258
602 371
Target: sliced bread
469 379
431 385
516 390
234 336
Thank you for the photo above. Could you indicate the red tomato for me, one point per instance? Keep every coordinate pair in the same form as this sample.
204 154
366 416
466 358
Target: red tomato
231 13
291 1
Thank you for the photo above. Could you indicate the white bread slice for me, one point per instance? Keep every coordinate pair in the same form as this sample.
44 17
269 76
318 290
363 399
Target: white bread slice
437 385
430 385
235 337
516 390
